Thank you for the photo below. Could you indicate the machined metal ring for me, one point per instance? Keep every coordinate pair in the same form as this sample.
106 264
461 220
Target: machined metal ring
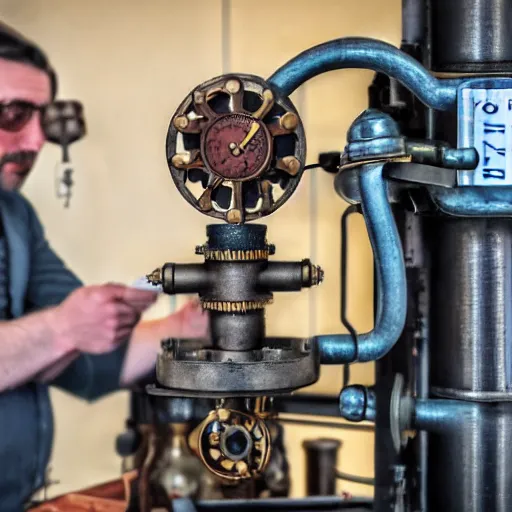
280 365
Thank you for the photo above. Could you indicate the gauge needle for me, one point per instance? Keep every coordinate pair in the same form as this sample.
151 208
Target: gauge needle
237 149
252 132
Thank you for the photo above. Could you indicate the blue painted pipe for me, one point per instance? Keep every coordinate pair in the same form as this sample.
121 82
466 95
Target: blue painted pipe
364 53
358 403
473 201
391 282
443 415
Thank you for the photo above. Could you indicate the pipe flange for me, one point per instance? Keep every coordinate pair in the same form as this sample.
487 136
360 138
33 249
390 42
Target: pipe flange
400 414
394 413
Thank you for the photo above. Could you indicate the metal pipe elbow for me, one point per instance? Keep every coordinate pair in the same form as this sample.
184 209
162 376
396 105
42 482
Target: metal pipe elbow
366 53
391 280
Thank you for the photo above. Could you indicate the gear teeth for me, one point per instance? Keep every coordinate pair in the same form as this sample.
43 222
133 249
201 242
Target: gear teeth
229 255
235 307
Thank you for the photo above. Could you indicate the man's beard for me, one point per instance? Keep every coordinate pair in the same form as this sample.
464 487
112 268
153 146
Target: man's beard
24 159
14 179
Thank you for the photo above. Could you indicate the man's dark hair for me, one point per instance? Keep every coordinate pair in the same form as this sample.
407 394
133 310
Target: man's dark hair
14 46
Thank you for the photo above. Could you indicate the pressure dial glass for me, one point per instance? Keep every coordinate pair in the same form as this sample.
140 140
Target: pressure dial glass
237 147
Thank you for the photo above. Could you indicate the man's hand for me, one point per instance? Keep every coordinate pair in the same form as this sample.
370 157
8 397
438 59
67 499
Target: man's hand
96 319
192 321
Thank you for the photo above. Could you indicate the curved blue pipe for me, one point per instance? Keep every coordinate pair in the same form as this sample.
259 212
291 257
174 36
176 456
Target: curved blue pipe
365 53
391 281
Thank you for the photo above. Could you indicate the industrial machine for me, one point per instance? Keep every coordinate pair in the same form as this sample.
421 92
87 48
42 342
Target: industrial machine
428 166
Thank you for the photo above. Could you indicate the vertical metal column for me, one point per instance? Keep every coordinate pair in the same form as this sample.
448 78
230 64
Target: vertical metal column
470 469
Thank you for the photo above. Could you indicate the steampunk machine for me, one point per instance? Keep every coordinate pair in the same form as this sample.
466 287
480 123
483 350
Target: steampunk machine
428 165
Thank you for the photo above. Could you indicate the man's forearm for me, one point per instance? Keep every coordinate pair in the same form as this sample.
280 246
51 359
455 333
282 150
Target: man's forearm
144 347
28 346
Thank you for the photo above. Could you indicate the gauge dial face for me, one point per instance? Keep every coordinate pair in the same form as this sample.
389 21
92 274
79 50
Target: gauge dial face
237 147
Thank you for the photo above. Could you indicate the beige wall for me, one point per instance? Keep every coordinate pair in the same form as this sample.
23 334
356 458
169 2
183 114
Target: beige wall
131 63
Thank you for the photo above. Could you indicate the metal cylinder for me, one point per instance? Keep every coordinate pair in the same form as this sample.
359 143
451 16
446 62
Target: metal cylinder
471 36
235 281
236 237
470 463
471 305
282 276
413 21
238 331
184 278
321 462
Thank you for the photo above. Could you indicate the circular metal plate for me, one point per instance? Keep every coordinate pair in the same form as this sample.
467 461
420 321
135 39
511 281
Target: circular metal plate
281 365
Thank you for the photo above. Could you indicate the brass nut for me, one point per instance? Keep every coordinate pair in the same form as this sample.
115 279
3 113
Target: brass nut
232 86
289 121
317 275
227 464
181 122
242 468
155 277
180 159
234 216
223 414
215 454
198 97
292 164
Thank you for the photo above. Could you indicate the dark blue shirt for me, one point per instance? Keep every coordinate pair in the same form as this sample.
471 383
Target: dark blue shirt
20 403
35 277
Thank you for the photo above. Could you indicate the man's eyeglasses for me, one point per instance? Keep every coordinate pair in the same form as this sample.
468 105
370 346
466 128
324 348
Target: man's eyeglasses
15 115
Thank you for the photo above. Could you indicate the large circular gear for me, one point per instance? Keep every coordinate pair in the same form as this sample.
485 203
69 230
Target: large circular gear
236 149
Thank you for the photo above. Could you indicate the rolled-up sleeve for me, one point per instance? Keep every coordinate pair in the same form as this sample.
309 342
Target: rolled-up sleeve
50 282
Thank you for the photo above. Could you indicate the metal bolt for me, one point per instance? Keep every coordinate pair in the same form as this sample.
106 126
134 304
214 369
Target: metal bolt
232 86
167 344
312 275
291 164
199 97
180 159
155 277
181 122
289 121
234 216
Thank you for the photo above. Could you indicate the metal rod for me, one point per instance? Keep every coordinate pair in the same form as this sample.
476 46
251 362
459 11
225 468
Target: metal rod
344 285
328 424
308 403
364 480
